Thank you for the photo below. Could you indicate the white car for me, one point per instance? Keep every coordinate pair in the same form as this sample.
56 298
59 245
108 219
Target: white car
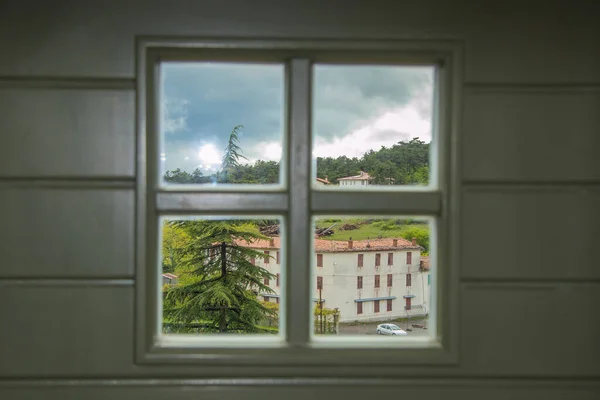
390 329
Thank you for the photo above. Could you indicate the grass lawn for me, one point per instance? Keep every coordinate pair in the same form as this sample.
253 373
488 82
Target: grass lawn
364 231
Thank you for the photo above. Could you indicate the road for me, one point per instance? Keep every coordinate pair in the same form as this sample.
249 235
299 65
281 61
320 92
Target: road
370 328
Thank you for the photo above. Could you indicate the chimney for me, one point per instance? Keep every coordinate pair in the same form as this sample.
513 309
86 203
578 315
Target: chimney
272 242
350 243
414 241
395 243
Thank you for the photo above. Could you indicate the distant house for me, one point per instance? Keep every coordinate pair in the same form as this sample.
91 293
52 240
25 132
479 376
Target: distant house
362 179
322 182
169 279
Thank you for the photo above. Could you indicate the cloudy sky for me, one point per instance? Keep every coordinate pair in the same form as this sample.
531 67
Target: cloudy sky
356 108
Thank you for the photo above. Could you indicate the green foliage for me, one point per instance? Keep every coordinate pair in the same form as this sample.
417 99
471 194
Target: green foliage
403 163
218 284
420 233
386 225
233 152
174 241
179 176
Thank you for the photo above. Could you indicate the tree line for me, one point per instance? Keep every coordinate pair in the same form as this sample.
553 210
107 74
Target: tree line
406 162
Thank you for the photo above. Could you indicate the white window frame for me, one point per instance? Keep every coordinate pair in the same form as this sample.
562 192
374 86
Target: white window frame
298 200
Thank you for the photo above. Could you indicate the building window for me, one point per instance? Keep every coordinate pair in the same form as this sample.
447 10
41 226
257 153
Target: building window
319 282
265 298
266 257
277 280
319 260
253 260
266 281
277 300
376 306
359 307
359 282
389 280
278 262
377 281
389 304
408 301
360 260
409 258
408 280
377 259
390 259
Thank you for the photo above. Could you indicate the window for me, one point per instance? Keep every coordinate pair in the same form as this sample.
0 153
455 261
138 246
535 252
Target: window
389 280
266 299
319 282
266 281
408 279
409 258
376 306
390 259
278 261
377 259
184 177
376 281
389 305
359 282
408 305
319 260
277 280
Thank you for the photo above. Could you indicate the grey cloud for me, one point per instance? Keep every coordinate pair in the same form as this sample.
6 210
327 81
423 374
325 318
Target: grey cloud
208 99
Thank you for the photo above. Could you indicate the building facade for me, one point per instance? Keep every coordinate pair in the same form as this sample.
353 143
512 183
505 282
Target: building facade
366 280
361 180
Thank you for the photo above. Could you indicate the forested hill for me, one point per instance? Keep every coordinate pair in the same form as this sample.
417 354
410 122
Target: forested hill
402 163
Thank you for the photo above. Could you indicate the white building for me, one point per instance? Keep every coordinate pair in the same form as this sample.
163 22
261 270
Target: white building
367 280
361 180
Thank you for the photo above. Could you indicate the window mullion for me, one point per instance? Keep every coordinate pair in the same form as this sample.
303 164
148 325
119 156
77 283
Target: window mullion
298 239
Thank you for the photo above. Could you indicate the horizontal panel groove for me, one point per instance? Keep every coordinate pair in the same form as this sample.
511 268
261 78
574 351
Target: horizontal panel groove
68 183
530 185
527 282
465 380
62 282
474 87
266 202
17 82
409 203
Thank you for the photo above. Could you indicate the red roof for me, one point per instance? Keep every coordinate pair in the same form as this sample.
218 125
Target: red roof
335 246
170 276
363 176
325 181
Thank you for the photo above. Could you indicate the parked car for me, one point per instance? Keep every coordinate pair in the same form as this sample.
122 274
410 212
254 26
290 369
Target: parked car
390 329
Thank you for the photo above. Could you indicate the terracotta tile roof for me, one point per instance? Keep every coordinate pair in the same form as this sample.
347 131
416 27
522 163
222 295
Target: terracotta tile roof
170 276
335 246
425 263
363 176
325 181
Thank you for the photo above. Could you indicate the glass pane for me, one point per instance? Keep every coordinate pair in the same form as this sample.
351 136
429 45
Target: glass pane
221 275
372 126
221 123
374 272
